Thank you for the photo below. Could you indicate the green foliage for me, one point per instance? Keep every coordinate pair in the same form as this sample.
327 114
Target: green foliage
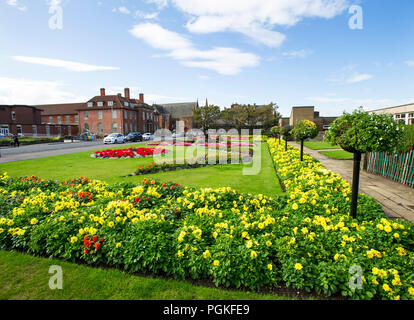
407 142
363 132
275 131
305 129
206 116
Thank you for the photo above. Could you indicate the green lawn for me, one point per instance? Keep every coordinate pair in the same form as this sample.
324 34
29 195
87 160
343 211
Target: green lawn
75 165
26 277
338 154
319 145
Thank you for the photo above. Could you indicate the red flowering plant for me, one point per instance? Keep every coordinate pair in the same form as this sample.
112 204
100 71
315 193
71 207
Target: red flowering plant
84 197
92 249
128 153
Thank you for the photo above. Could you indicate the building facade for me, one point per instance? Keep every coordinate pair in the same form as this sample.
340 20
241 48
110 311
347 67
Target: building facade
26 120
306 113
404 113
171 113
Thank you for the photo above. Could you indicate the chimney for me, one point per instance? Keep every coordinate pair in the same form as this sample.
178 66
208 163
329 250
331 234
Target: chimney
141 97
127 93
102 92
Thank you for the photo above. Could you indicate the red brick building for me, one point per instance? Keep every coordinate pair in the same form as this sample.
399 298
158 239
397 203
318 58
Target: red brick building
64 116
170 113
106 114
26 121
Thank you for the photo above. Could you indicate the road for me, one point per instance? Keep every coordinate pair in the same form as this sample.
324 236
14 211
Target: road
36 151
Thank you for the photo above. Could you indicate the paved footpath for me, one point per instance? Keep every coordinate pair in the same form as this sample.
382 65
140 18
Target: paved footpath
396 199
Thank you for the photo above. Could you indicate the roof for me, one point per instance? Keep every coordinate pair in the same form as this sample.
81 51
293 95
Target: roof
178 110
60 109
20 105
404 105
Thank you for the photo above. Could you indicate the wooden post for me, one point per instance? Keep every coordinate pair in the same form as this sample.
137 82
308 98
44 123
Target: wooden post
301 149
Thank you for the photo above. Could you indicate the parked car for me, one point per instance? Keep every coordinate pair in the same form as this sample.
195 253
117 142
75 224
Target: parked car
326 127
134 137
114 138
85 137
148 136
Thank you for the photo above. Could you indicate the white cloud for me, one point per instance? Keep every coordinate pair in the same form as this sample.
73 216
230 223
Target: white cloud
124 10
32 92
15 3
355 78
149 97
159 3
410 63
298 53
147 16
68 65
226 61
255 18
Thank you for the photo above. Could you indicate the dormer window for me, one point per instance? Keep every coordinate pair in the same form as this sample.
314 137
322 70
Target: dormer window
126 104
110 103
90 104
100 104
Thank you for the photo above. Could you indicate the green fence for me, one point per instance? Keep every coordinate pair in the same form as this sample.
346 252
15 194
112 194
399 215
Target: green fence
397 166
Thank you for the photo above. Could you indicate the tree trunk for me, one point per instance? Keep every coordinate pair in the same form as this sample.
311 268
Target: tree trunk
285 143
355 184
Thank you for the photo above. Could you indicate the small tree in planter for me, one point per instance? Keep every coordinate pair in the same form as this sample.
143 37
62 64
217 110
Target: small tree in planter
276 132
303 130
286 132
361 132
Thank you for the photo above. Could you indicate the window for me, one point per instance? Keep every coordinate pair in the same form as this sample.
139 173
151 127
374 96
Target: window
34 130
59 119
125 115
90 104
100 115
76 118
13 114
59 130
4 130
48 130
411 118
86 115
19 129
86 127
135 115
110 103
143 115
114 116
126 104
50 119
114 127
67 119
100 104
69 130
100 127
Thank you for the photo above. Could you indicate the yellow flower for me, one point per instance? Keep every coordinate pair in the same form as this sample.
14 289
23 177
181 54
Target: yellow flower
261 225
396 235
34 221
295 206
386 287
249 244
411 291
253 254
268 243
118 244
270 267
298 266
180 254
110 224
387 229
206 254
74 239
216 263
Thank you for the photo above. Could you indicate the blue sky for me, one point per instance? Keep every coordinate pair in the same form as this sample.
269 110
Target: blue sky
292 53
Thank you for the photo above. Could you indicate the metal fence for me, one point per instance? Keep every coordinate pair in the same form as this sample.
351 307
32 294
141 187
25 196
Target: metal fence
396 166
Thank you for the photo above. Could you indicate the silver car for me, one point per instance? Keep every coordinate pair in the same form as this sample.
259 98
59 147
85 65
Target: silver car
114 138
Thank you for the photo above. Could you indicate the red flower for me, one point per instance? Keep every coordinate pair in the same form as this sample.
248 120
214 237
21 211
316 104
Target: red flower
86 252
94 238
102 240
97 246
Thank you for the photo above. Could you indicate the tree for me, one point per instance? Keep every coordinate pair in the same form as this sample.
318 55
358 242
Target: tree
303 130
286 132
206 116
360 132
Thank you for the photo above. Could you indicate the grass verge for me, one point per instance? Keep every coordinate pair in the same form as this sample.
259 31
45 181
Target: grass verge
338 154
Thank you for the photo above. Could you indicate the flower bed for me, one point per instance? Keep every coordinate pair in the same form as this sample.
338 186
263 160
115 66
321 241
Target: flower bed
129 153
234 239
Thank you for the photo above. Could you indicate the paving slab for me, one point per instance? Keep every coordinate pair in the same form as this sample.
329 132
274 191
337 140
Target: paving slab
396 199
